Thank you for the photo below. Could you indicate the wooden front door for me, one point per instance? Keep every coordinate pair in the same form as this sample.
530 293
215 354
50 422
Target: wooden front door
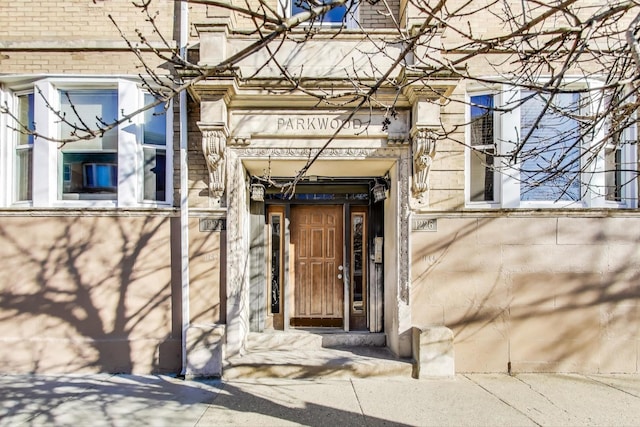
316 239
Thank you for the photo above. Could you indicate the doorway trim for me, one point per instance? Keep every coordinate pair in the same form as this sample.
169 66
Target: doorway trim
353 198
254 158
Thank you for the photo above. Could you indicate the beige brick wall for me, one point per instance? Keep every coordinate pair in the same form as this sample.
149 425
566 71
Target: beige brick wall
119 62
447 177
80 20
78 37
198 172
378 16
541 292
487 22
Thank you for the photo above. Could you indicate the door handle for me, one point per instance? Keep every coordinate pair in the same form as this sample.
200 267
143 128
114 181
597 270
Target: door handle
339 276
340 268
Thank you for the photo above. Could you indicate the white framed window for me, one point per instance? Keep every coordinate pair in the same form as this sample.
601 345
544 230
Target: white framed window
483 144
619 157
126 166
89 168
154 151
550 152
556 165
16 146
22 171
346 14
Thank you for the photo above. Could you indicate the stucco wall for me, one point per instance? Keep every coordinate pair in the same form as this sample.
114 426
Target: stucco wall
542 292
88 293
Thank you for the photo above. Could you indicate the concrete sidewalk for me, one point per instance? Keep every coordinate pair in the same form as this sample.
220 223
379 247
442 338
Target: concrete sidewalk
467 400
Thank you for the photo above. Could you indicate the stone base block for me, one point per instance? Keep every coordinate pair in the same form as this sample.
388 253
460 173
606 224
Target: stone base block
433 352
205 351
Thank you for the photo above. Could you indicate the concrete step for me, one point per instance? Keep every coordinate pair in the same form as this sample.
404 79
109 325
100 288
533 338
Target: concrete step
342 362
315 353
312 339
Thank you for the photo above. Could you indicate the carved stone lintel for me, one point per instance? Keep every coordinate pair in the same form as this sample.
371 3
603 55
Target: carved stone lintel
214 142
424 150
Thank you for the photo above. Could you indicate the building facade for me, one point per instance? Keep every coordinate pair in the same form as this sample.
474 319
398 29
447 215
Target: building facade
158 245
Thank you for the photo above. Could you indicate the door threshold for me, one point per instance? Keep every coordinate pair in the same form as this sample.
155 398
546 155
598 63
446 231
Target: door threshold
325 330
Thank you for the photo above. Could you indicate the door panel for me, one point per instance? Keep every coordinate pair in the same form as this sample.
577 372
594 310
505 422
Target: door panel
316 238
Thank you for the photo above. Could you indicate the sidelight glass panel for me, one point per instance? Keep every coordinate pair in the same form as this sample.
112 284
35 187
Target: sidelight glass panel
276 234
358 266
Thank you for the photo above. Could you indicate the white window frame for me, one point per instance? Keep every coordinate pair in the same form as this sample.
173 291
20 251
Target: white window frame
469 152
7 150
168 153
507 132
9 144
629 156
47 167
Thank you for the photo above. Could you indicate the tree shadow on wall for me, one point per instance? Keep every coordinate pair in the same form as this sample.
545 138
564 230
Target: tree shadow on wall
87 294
540 298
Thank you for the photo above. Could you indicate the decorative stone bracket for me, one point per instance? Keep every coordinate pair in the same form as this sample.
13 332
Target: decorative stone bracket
214 143
424 151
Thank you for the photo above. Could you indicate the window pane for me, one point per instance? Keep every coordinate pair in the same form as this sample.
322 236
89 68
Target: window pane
155 123
550 161
482 120
482 157
24 159
336 14
92 173
89 109
25 115
613 174
24 151
155 175
481 176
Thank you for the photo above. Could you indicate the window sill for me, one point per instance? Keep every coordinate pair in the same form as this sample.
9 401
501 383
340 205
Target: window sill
74 211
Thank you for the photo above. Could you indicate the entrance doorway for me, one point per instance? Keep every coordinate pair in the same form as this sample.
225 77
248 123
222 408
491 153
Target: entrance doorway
324 258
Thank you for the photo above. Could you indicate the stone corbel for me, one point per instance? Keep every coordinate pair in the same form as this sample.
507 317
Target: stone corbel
424 151
214 143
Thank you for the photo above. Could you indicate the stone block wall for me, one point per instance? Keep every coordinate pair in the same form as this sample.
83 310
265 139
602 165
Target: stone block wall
532 292
82 292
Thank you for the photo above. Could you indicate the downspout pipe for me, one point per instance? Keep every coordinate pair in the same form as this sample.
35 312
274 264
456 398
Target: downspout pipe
184 196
